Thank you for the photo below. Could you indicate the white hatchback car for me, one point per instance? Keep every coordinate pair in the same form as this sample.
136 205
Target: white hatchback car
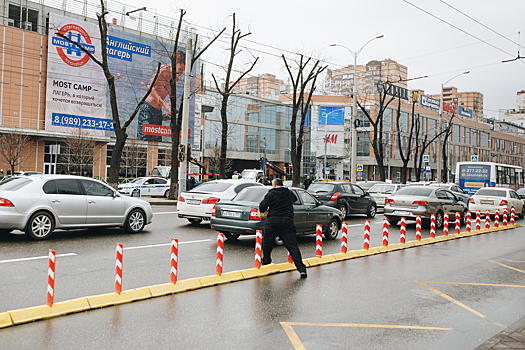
146 186
197 204
491 198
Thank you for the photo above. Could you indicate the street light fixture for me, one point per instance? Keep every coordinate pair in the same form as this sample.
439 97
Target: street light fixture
353 159
439 169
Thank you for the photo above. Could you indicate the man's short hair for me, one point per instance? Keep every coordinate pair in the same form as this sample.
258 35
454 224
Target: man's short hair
277 182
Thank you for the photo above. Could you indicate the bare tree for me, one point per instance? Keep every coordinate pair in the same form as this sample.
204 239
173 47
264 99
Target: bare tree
307 72
214 161
446 133
14 149
78 151
135 156
120 128
227 90
405 155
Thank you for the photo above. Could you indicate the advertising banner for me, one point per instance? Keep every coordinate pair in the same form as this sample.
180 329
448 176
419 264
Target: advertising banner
331 115
429 102
465 112
472 177
334 145
77 96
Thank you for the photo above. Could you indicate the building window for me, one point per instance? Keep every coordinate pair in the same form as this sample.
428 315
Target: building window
28 17
363 144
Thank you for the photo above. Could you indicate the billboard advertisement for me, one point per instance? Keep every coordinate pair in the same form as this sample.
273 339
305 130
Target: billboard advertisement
331 115
465 112
335 141
472 177
77 95
429 102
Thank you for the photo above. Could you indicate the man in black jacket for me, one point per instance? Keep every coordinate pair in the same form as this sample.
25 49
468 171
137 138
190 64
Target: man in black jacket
280 223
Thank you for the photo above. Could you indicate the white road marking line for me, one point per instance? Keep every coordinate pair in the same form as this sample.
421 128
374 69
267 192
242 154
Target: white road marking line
35 258
166 244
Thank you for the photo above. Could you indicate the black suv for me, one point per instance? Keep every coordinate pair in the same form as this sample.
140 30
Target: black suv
345 196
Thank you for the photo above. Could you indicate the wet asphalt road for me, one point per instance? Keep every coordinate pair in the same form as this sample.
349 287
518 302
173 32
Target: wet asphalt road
351 304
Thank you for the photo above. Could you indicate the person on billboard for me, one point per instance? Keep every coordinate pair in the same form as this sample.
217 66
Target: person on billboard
151 110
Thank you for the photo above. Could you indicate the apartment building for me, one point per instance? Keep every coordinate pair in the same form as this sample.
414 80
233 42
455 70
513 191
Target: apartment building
340 81
470 100
264 85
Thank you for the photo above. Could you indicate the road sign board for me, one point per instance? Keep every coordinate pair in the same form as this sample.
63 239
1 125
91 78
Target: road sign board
359 167
426 158
428 168
474 158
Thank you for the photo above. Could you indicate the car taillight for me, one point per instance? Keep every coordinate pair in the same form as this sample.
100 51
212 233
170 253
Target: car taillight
504 202
335 196
389 200
254 214
211 200
181 199
214 211
421 203
471 200
5 203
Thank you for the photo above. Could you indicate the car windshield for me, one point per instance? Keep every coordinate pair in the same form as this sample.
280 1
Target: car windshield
139 179
414 191
212 187
14 183
321 187
491 192
251 194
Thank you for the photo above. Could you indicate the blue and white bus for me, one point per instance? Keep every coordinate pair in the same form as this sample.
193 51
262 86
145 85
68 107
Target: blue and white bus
471 176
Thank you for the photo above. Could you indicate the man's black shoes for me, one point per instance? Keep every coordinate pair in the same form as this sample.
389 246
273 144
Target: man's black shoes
303 275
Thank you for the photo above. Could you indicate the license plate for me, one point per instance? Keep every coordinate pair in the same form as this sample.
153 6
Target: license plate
231 214
486 202
402 213
193 201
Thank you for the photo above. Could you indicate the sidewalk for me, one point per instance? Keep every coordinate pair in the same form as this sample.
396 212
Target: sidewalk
511 338
159 201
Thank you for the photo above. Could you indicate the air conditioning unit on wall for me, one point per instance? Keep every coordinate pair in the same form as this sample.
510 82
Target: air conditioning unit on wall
28 26
10 22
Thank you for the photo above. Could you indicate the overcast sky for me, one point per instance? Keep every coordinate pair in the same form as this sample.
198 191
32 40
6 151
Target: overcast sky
425 44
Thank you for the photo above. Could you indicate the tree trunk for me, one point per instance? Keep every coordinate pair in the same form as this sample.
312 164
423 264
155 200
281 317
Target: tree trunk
224 137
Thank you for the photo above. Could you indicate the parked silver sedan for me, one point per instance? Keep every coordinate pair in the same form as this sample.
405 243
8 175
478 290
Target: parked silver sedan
39 204
381 191
412 201
458 191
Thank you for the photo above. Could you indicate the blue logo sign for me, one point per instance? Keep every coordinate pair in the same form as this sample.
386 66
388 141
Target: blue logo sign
428 168
429 102
359 167
465 112
331 115
426 158
474 158
124 49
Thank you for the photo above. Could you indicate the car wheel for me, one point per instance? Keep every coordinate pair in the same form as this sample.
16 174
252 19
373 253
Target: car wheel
439 220
333 230
5 231
40 226
231 235
135 221
343 210
166 194
196 222
135 193
371 212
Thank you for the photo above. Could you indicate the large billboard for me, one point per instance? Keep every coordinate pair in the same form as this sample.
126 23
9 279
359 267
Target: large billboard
429 102
465 112
331 115
77 95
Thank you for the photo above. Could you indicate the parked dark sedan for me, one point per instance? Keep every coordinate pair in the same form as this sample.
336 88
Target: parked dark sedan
347 197
240 216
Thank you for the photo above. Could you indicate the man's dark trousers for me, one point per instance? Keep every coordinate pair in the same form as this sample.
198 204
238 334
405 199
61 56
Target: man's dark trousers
284 228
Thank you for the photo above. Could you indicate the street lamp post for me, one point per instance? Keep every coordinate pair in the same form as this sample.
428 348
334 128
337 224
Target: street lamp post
440 146
353 159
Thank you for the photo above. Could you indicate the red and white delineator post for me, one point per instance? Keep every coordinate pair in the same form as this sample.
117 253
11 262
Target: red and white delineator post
344 239
418 228
512 215
478 220
318 241
457 228
51 278
118 268
467 226
445 224
386 223
487 219
432 226
505 216
258 249
220 254
496 218
366 244
403 231
174 260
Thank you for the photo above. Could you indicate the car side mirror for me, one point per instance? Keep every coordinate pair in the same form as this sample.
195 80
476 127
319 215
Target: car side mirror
319 203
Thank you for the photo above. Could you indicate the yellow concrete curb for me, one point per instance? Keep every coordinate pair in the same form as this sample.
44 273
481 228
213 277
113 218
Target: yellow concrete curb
11 318
40 312
127 296
263 271
170 288
5 320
